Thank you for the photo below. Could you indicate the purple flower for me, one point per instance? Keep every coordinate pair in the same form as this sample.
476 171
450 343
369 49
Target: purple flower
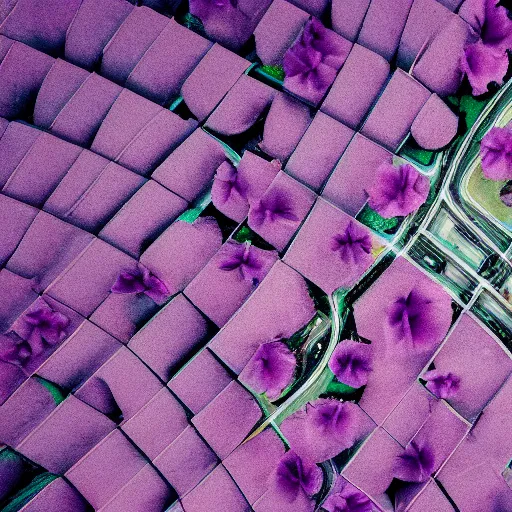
223 20
483 64
244 258
419 319
305 73
270 370
354 245
14 349
311 63
398 192
497 28
491 22
486 60
295 476
275 206
442 385
344 497
322 429
328 43
227 186
45 325
415 464
496 153
141 281
204 9
351 363
39 327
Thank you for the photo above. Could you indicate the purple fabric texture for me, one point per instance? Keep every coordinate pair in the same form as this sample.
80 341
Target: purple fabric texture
402 341
241 107
253 463
434 113
272 36
200 381
279 307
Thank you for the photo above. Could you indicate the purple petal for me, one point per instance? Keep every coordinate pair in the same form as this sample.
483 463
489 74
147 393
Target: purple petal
230 263
46 324
415 464
36 342
301 59
496 153
24 352
235 255
442 385
129 282
8 350
141 281
351 363
311 85
13 349
257 214
484 64
311 63
37 316
227 186
398 192
276 206
354 245
328 43
295 476
323 429
332 417
305 73
497 27
253 265
344 497
156 290
270 369
53 328
419 319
